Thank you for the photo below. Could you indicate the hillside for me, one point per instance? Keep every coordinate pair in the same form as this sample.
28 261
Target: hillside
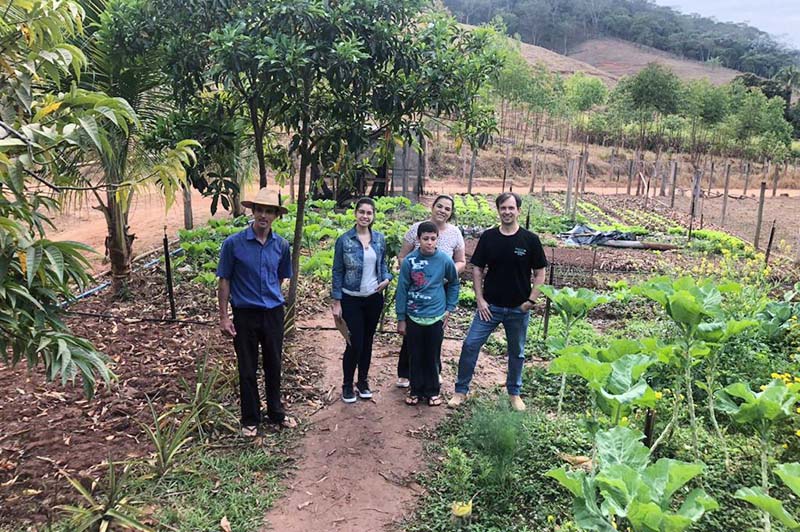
565 65
618 58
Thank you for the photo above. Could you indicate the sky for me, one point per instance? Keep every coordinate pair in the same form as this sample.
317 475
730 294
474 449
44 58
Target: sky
781 18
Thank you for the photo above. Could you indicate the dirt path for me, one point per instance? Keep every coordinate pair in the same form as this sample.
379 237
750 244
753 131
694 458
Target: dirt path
357 462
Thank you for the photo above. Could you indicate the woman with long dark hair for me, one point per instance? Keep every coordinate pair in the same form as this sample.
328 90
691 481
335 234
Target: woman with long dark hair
451 243
360 274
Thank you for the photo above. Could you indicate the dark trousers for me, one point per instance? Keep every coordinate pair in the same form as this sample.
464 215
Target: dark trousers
254 328
361 315
404 364
424 349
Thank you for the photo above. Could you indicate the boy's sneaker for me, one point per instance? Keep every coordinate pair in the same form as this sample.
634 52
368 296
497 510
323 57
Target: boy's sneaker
363 390
402 382
348 395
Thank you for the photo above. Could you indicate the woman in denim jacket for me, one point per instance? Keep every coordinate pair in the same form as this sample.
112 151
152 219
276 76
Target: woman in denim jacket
359 276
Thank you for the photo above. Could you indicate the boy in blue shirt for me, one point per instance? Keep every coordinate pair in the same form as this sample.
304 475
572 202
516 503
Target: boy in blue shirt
427 291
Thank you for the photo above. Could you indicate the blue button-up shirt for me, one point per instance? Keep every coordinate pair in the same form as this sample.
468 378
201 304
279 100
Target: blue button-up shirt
255 271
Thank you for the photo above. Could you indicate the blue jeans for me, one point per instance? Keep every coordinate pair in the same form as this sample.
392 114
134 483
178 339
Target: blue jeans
515 322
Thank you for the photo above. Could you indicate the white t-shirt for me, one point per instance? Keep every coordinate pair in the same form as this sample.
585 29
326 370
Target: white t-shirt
450 239
369 275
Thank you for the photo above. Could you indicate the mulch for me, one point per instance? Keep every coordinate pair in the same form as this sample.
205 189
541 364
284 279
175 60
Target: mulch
48 428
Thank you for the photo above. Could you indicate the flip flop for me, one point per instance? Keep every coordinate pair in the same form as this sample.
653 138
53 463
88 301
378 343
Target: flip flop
288 423
436 400
412 400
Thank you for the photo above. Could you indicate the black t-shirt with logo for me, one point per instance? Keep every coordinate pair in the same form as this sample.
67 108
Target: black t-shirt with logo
511 259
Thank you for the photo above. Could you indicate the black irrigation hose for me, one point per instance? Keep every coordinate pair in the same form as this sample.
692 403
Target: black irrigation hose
203 323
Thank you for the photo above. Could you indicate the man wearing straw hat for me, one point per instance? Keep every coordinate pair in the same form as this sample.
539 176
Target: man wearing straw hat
252 265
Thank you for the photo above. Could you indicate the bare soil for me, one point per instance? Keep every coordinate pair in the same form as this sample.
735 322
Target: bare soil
48 427
618 58
357 463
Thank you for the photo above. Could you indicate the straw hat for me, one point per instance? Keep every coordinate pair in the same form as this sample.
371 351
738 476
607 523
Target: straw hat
266 199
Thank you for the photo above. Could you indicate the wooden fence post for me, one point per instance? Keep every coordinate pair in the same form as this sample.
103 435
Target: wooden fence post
674 184
533 171
775 180
725 194
746 177
760 213
696 190
630 176
568 200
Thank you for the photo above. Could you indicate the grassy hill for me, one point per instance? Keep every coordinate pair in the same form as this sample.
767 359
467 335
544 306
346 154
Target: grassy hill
618 58
565 65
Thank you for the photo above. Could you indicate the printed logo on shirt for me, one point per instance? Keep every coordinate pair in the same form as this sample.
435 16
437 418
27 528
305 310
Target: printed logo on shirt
417 264
520 252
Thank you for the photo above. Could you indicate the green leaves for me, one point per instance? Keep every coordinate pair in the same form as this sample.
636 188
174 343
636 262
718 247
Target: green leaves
746 407
573 304
772 506
686 301
632 488
615 375
790 475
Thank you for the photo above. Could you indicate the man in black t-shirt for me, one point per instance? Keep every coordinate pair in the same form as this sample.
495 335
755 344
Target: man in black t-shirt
501 271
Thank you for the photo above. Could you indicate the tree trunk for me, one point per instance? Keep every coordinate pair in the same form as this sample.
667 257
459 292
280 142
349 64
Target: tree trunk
188 221
258 140
305 158
119 245
472 169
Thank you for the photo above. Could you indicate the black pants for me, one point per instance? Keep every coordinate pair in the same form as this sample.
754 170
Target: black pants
256 328
424 349
361 315
403 363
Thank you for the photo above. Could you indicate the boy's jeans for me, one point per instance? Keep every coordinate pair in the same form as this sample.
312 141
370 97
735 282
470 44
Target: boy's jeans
515 322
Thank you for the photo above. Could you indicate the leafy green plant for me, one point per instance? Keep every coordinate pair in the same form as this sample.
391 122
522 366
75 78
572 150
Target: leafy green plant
205 402
108 510
571 306
170 437
761 411
495 430
695 309
615 375
625 489
758 497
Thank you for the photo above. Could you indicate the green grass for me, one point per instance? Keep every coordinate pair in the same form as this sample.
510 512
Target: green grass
506 455
239 483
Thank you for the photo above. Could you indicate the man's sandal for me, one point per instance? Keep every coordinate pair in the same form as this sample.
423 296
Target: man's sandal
249 431
288 423
436 400
412 400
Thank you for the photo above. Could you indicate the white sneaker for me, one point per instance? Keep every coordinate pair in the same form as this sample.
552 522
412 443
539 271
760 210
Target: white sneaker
404 383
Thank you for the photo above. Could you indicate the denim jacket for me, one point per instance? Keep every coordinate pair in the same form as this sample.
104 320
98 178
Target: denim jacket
348 261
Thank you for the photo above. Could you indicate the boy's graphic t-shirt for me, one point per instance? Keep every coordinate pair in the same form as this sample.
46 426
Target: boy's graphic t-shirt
421 289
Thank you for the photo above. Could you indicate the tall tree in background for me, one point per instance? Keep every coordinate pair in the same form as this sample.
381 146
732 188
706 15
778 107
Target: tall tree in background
652 93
